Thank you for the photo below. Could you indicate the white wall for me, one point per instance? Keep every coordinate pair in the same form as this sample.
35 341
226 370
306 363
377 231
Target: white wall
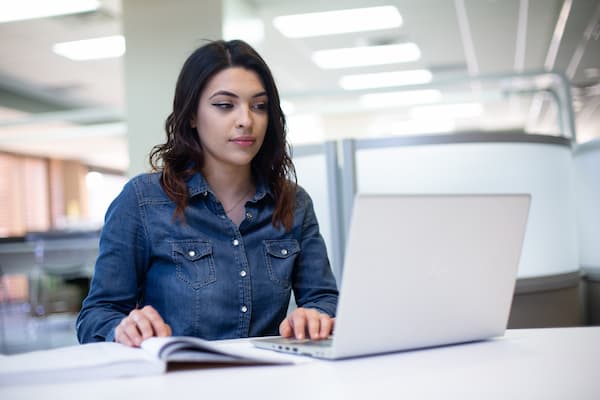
160 35
311 171
543 170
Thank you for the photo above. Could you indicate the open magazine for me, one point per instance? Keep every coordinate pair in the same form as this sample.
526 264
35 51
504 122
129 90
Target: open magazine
109 359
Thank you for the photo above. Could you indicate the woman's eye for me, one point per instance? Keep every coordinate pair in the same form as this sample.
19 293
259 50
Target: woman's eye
260 106
223 105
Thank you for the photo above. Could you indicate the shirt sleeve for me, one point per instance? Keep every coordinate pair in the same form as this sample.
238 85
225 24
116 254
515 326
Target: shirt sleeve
118 272
313 281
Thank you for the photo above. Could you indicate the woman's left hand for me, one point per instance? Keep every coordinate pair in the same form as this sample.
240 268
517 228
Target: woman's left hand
307 322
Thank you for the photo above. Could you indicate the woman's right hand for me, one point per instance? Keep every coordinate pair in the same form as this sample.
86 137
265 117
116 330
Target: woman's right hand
139 325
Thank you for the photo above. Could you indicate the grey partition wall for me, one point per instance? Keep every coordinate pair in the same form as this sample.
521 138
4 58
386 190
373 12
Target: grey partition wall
317 172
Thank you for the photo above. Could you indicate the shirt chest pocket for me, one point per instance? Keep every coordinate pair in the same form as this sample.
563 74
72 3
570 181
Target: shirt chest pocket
280 257
194 262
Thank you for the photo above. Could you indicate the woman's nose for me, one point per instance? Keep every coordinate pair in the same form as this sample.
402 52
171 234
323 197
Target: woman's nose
244 117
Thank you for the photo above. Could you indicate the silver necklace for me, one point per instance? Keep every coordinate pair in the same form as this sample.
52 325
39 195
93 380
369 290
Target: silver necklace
237 203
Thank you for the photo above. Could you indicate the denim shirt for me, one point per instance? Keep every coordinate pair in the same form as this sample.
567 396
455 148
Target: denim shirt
206 276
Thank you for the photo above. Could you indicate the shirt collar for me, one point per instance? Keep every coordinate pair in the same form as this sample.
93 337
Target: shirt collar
197 185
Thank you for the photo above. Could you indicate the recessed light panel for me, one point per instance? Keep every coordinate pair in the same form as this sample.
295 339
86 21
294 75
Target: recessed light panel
339 21
92 49
19 10
366 55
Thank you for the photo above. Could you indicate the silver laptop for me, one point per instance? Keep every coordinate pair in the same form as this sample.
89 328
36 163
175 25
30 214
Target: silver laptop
423 271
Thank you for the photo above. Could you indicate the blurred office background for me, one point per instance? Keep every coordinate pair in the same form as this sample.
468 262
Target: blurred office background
404 96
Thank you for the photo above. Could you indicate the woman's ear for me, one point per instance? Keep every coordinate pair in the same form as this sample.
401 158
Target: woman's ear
193 123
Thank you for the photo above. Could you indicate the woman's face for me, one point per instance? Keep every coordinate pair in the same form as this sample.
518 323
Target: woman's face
232 118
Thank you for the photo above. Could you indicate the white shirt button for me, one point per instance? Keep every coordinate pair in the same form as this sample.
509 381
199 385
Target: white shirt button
236 242
191 253
244 309
242 273
284 252
248 215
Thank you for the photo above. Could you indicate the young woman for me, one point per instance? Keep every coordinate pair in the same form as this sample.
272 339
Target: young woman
214 241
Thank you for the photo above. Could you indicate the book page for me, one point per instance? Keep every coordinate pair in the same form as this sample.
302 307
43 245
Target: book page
192 349
94 360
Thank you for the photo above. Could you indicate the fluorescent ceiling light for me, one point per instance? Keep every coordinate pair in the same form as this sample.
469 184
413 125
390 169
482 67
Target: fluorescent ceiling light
340 21
458 110
91 49
366 55
18 10
404 98
385 79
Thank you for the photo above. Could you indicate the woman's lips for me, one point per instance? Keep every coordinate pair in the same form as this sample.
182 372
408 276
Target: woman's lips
244 141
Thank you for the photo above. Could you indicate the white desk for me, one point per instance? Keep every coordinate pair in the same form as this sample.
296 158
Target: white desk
524 364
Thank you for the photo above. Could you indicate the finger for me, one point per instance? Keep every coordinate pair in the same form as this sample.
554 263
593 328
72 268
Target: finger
121 335
326 326
285 329
158 325
142 323
314 324
130 328
298 321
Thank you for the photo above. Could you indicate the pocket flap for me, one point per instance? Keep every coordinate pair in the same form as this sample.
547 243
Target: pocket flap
192 250
282 248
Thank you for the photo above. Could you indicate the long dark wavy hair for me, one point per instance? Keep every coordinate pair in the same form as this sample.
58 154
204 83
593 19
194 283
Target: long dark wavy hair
182 154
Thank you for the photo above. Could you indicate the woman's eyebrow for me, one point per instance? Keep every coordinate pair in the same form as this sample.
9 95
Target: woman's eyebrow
223 93
231 94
